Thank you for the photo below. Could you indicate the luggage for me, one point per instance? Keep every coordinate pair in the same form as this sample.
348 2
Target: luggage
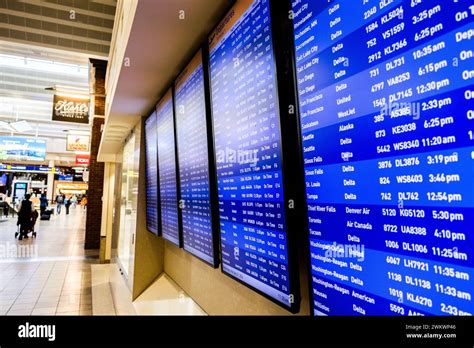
46 216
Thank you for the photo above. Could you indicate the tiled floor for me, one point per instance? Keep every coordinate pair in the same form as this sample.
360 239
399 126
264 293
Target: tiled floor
47 275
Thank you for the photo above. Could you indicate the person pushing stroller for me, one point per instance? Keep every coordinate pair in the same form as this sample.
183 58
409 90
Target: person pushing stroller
27 216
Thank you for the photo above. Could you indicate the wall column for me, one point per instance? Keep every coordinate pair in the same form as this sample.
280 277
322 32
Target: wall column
50 193
98 70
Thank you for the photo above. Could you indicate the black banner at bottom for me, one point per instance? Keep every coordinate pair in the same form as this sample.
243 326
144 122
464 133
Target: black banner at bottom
239 331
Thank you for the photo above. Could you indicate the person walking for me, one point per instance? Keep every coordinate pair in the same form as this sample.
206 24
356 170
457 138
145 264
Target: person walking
25 217
4 205
84 202
59 202
43 203
74 201
67 204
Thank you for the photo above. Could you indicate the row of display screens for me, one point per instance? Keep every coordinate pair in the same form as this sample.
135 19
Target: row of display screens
387 157
219 192
176 137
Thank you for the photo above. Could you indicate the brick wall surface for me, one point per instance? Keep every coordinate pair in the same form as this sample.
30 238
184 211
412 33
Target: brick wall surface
96 169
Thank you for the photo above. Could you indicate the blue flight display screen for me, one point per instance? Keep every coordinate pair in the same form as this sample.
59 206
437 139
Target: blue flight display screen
386 114
248 151
193 159
167 169
151 147
3 180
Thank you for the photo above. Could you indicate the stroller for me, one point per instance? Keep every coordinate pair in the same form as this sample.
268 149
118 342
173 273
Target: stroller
27 227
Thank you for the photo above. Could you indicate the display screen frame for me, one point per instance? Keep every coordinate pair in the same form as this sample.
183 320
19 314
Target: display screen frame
285 89
308 260
202 55
168 97
156 230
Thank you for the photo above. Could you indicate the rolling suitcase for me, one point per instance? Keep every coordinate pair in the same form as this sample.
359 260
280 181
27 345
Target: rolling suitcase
46 215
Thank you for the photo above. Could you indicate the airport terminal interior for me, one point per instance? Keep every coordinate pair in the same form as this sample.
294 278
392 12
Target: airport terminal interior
247 157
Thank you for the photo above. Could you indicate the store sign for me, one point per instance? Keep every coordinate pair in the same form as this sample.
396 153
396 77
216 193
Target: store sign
68 109
3 180
64 185
77 176
78 143
83 160
85 176
22 149
66 177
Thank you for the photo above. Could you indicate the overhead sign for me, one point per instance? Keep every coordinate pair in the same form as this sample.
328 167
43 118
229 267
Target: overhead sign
77 143
25 168
82 160
66 109
22 149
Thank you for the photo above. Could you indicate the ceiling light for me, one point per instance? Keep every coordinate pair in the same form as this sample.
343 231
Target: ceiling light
43 65
21 126
70 91
72 88
77 132
73 95
6 126
16 127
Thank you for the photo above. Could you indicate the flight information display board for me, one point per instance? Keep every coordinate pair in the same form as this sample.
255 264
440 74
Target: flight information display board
151 146
247 141
193 162
167 169
385 95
